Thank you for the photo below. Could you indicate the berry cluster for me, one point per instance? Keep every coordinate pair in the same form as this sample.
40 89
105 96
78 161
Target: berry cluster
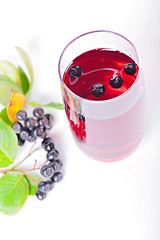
51 171
28 129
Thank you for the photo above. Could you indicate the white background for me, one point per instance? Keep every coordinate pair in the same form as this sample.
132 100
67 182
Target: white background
95 200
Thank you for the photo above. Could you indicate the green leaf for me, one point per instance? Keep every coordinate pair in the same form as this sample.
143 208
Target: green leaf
24 80
5 95
9 70
14 190
28 64
6 81
50 105
4 117
32 185
8 145
55 105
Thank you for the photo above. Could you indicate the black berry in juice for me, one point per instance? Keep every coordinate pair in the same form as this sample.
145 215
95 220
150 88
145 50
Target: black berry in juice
99 67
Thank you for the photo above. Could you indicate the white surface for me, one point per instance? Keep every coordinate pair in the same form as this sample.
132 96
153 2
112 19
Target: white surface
95 200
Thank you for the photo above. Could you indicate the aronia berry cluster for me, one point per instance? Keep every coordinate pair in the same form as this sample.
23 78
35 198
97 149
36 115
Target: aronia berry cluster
51 171
28 129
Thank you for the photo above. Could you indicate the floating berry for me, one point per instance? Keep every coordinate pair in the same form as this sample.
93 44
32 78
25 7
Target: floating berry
38 112
98 90
17 127
41 195
30 122
21 115
20 140
25 133
116 81
47 171
75 71
130 68
52 155
57 177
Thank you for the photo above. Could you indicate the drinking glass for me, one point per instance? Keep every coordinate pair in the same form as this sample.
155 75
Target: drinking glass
106 130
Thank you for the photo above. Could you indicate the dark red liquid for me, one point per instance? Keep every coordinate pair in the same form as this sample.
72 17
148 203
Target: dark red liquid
101 136
98 66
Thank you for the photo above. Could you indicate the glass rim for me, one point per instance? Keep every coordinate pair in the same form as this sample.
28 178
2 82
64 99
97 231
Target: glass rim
107 100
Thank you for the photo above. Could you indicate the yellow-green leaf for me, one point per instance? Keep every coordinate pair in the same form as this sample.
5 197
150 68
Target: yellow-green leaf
49 105
5 95
4 117
8 145
8 69
6 81
32 180
24 80
29 67
14 190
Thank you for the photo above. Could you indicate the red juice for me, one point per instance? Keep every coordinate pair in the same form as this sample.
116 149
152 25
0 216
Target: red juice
103 136
98 66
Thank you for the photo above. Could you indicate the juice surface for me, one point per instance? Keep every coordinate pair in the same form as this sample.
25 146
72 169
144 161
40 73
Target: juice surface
98 66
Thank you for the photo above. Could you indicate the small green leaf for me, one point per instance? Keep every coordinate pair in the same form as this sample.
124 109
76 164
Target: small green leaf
50 105
5 95
24 80
28 64
32 185
4 117
6 81
55 105
8 145
14 190
9 70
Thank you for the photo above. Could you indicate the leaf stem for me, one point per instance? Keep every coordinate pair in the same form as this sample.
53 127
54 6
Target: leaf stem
13 170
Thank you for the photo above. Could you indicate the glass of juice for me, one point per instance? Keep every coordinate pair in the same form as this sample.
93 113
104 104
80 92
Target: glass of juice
103 93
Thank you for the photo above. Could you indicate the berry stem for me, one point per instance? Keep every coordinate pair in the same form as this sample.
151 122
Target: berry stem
24 171
33 169
35 164
29 154
13 169
32 147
